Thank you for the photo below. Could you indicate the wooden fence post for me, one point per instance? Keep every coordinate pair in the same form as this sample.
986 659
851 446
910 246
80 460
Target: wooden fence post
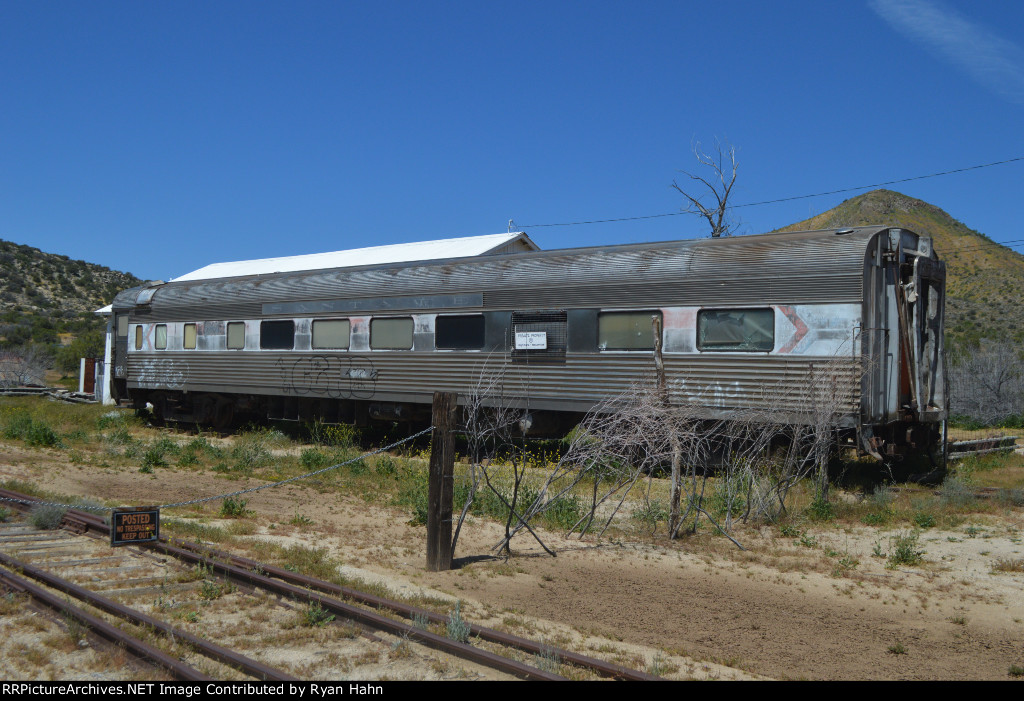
441 483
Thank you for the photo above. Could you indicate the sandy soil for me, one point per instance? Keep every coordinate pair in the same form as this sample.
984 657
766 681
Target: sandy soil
693 609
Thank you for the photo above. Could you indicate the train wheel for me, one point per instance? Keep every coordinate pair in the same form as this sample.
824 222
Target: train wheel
224 415
205 410
159 410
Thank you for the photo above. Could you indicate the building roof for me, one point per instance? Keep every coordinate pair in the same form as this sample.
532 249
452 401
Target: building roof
463 247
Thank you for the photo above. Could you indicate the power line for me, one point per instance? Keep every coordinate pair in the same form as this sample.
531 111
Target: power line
1012 244
781 199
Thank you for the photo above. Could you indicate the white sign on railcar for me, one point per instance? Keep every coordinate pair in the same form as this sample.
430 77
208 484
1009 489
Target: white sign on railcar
531 340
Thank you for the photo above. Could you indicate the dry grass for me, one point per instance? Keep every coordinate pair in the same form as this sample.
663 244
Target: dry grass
1009 565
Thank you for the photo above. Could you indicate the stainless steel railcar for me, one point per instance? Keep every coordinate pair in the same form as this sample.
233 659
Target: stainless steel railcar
569 328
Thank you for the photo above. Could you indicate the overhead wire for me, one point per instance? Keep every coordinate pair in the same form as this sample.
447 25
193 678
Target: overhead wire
1012 244
781 199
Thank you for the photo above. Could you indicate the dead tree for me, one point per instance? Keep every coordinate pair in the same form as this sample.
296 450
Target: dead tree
495 427
756 455
986 383
715 188
23 366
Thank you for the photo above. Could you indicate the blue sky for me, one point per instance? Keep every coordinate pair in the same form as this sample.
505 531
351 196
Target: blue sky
159 137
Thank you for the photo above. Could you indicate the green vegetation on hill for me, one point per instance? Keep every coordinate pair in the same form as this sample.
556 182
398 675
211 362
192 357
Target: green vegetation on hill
984 280
45 295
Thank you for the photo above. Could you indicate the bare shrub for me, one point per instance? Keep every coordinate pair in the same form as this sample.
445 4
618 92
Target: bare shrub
758 453
987 383
20 367
46 517
495 427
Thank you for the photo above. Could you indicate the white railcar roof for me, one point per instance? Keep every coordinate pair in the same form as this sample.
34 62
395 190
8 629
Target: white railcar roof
464 247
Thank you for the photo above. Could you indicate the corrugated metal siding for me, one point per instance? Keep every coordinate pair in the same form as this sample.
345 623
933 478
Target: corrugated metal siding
719 381
742 290
786 267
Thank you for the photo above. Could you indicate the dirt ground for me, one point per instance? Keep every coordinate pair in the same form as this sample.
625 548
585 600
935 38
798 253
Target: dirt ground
696 608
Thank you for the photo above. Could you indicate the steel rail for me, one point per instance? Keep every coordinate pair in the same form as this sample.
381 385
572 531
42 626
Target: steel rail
221 654
340 608
294 584
177 668
367 618
602 667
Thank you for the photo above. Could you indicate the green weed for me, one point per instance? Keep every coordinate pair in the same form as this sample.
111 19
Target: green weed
313 459
316 616
903 550
234 508
807 540
457 628
956 493
821 509
650 514
924 520
46 517
153 457
385 466
547 659
212 589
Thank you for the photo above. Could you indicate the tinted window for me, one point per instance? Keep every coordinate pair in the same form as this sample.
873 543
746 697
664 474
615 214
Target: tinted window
138 337
189 340
160 338
626 330
122 325
236 335
330 333
459 332
391 334
736 329
277 335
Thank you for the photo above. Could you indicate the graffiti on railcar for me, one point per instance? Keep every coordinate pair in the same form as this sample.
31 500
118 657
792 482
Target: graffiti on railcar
351 377
163 373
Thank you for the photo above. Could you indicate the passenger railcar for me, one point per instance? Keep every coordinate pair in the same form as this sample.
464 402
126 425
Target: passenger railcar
568 327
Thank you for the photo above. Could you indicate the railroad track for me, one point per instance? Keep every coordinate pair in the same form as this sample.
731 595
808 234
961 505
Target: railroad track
382 622
110 577
984 446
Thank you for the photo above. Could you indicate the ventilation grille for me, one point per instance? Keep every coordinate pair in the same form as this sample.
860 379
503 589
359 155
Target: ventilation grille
552 324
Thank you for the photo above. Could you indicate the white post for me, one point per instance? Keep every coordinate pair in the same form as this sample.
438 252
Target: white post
103 393
81 375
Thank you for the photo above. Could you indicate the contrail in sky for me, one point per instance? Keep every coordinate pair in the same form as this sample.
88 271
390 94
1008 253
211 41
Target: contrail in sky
988 58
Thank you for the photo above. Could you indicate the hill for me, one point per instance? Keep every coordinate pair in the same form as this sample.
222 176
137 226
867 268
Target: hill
46 298
984 280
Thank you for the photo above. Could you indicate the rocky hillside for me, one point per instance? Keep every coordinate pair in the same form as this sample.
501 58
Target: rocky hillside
45 295
985 281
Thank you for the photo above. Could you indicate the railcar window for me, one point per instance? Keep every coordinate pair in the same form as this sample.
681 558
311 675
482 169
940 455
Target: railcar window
122 325
160 338
277 335
391 334
188 342
138 337
626 330
736 329
459 332
236 335
331 333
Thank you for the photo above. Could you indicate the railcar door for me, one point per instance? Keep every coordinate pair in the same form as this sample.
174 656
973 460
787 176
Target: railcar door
119 361
925 299
920 301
